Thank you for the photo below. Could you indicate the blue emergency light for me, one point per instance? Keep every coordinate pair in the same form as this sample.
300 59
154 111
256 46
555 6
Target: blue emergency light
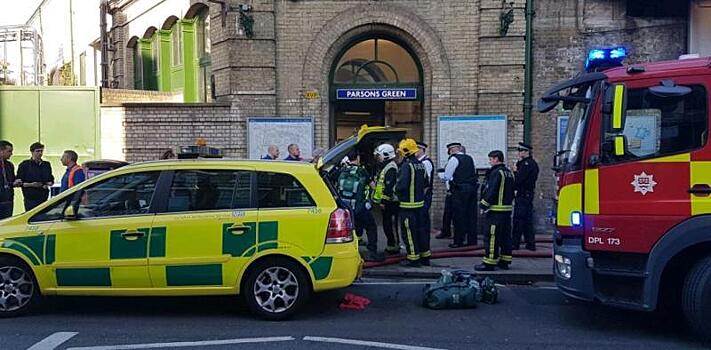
605 58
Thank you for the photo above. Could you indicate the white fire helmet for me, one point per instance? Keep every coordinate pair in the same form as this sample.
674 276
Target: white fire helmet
386 151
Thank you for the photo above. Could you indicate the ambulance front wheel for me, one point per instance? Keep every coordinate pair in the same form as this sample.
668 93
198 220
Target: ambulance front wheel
275 288
696 298
18 287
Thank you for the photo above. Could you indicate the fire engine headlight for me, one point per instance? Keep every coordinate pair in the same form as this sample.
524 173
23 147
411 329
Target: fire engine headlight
576 219
562 265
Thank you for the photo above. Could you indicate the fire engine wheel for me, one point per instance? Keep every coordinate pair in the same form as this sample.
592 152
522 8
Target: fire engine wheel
18 288
696 298
276 288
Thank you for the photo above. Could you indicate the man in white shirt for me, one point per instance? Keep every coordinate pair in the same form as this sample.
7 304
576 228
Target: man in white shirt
460 172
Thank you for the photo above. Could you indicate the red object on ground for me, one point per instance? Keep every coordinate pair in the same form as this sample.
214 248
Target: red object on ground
354 302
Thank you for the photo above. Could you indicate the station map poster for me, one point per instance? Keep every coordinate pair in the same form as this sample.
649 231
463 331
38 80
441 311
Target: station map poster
480 134
280 131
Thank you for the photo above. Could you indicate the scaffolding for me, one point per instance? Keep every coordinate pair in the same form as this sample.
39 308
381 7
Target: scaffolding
21 61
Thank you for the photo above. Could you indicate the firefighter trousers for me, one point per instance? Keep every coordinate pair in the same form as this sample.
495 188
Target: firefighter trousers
390 223
411 231
497 239
523 221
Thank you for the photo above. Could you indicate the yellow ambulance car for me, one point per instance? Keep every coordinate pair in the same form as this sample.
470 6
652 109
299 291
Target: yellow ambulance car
270 231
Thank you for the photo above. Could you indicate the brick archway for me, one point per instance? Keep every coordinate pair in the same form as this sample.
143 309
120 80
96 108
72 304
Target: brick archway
379 19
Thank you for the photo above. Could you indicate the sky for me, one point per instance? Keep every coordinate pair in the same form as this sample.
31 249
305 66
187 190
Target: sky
16 11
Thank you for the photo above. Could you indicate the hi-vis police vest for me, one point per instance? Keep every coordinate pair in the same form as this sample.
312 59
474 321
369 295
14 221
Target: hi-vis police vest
379 194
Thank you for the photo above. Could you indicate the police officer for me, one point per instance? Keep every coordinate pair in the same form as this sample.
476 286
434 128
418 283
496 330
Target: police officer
460 172
525 185
496 202
429 176
384 195
410 191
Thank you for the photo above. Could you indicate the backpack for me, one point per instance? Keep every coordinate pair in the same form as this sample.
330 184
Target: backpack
351 186
459 289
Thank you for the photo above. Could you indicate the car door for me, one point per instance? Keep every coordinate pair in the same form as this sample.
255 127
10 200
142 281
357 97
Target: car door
105 245
206 228
288 215
647 190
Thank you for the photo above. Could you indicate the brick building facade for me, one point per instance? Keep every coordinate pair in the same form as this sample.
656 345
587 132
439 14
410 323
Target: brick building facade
284 63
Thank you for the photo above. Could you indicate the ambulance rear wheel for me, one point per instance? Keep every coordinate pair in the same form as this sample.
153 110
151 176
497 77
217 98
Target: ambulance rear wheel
276 288
18 288
696 298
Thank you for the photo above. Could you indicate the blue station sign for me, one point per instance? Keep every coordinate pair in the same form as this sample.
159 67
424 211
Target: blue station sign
377 94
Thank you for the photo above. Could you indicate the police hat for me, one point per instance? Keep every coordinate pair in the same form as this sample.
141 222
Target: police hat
453 144
524 147
421 145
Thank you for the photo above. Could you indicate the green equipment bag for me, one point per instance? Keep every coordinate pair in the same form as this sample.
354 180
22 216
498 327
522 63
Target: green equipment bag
489 291
351 186
454 290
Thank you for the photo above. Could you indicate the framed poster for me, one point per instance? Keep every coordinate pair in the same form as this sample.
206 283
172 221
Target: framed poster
279 131
479 134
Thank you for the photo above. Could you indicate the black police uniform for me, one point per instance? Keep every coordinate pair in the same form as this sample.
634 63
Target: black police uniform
497 199
410 190
7 189
525 186
464 187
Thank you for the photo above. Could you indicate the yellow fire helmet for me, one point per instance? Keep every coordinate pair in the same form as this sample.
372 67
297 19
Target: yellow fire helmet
407 147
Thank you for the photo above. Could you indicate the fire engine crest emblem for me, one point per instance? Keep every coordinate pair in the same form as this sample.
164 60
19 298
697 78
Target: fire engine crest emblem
643 183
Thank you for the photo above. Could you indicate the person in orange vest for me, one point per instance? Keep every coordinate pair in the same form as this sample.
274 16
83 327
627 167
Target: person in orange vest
74 174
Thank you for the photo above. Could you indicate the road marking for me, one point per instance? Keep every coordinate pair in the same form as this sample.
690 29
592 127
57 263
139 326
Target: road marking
53 341
187 344
368 343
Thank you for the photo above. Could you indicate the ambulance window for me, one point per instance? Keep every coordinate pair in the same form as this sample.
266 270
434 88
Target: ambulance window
122 195
277 190
657 126
198 190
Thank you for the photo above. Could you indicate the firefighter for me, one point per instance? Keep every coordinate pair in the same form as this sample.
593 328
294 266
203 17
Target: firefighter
496 202
384 197
460 172
526 174
410 191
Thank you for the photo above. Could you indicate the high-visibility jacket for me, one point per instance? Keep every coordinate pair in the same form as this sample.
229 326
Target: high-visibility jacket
385 185
498 194
411 183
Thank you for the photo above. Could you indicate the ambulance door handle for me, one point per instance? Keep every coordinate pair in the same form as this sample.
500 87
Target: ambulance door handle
701 190
238 229
132 235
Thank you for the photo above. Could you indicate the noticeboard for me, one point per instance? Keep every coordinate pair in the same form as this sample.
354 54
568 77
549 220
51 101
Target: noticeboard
279 131
479 134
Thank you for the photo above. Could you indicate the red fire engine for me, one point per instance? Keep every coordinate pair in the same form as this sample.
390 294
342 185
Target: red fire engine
634 199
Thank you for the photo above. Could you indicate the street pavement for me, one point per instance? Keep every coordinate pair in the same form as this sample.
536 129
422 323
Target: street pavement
527 317
527 266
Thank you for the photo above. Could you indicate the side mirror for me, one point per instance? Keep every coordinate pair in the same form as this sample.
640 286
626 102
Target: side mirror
70 213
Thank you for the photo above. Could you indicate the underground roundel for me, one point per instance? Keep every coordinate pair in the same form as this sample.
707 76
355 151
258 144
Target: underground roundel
643 183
